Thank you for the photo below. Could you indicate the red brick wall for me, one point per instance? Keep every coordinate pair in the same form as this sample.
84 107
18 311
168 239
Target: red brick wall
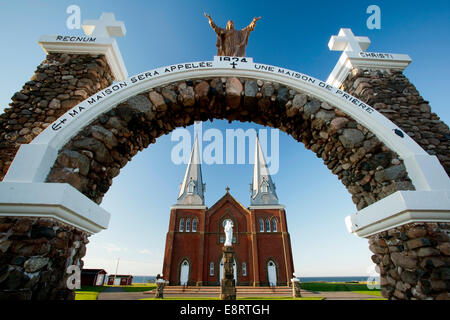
202 247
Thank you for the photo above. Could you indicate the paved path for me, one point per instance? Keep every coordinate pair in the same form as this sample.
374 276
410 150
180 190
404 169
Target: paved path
346 295
117 293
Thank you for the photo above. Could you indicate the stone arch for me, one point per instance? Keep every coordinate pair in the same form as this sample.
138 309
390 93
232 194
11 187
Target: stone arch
328 122
108 143
236 96
87 146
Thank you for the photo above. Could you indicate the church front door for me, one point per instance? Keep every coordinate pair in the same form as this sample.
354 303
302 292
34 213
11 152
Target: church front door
272 273
184 273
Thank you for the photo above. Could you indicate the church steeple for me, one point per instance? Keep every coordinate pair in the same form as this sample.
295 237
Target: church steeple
262 187
192 188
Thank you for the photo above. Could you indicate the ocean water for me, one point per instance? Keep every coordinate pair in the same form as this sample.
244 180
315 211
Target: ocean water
146 279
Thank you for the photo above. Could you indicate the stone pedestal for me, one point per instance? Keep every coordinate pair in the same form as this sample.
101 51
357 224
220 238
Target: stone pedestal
413 261
228 285
160 288
35 253
296 288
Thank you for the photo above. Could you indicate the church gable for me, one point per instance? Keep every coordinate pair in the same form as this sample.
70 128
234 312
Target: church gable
227 208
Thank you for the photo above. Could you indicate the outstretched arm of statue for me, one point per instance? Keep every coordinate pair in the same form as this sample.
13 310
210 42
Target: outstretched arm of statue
211 23
252 24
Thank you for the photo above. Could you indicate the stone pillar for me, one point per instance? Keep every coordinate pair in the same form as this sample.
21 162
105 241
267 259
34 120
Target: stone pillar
393 95
413 258
296 288
44 229
413 261
44 226
160 283
59 83
35 253
228 285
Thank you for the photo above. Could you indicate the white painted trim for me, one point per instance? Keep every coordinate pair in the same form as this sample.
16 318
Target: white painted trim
425 171
60 201
400 208
423 176
101 45
273 206
349 60
32 163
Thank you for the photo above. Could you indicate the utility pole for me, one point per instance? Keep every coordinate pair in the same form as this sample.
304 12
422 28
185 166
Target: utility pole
117 267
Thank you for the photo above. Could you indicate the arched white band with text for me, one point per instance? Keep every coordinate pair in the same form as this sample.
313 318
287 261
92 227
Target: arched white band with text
34 161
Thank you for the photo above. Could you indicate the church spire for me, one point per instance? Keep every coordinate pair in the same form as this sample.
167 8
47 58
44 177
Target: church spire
262 187
192 188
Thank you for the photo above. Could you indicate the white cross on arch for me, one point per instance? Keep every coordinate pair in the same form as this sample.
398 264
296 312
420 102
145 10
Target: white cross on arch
107 26
347 41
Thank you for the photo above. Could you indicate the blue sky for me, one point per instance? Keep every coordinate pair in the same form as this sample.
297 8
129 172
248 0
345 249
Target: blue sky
291 34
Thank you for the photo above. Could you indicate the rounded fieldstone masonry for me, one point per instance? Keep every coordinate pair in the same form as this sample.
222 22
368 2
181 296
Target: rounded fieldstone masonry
391 93
36 252
34 256
91 160
60 82
413 260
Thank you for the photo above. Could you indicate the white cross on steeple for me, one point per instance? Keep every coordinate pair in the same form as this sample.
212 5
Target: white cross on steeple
107 26
346 41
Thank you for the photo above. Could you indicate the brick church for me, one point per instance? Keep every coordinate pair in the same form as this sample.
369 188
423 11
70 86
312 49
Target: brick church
193 253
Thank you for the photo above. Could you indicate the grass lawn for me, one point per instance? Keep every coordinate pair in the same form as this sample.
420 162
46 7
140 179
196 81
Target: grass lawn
139 287
88 292
370 292
336 286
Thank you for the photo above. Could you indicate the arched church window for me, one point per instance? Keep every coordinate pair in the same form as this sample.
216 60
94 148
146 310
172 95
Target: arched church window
261 225
188 225
211 268
194 225
267 225
274 225
191 186
181 226
244 269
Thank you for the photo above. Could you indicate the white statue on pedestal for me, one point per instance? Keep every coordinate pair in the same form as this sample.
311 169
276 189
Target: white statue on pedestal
228 228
